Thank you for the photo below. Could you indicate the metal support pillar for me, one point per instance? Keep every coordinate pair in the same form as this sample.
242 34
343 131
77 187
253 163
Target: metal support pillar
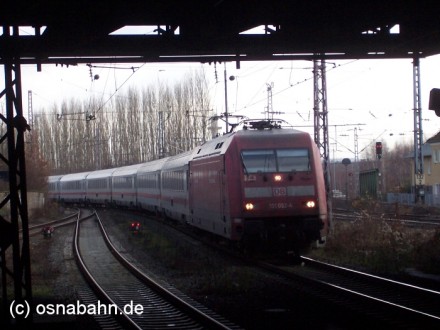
16 273
30 110
321 122
226 101
356 163
418 135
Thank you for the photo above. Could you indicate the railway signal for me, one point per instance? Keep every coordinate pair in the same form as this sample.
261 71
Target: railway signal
379 150
434 101
135 227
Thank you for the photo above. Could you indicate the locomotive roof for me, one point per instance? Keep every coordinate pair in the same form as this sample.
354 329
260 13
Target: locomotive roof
275 131
216 146
277 134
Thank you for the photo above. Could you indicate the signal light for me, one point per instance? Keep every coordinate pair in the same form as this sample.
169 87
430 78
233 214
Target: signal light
379 150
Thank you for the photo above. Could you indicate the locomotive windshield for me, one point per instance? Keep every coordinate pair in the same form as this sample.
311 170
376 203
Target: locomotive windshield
276 160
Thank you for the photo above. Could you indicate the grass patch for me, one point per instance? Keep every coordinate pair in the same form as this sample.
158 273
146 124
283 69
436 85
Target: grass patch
373 244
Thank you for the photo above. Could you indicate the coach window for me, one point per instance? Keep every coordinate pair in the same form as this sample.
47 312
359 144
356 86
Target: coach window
142 181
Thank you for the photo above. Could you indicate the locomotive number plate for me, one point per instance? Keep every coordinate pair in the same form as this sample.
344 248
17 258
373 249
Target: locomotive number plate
279 191
280 205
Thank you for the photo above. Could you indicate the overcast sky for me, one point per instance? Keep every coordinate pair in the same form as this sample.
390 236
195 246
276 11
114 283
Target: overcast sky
375 97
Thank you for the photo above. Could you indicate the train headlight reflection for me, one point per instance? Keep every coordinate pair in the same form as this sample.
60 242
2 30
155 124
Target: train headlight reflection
249 206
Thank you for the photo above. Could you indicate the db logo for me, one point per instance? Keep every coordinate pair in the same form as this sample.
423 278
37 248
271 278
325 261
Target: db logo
281 191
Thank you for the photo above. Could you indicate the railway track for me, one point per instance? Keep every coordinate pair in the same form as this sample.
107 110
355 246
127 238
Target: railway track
119 283
410 220
374 299
68 220
359 298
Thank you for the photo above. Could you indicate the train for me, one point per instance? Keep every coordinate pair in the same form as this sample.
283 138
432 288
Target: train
260 187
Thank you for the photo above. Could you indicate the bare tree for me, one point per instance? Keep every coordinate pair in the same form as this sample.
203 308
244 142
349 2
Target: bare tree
80 137
150 122
397 168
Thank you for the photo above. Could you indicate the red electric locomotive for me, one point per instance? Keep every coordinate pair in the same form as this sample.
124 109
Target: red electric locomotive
262 186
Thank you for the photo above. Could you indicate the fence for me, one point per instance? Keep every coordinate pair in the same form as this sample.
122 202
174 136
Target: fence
409 199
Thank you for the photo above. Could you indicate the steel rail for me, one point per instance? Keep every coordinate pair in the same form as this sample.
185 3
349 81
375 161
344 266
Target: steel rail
128 322
195 313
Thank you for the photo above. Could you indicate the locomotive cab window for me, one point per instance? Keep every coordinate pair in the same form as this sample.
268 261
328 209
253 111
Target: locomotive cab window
276 160
256 161
291 160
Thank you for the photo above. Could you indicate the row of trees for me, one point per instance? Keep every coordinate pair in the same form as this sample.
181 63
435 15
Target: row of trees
140 125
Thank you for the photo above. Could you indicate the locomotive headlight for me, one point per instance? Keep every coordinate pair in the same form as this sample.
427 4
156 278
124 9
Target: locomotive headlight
277 178
249 206
310 204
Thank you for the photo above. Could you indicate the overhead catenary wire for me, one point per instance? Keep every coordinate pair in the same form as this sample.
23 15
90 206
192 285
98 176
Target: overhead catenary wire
292 85
91 116
120 86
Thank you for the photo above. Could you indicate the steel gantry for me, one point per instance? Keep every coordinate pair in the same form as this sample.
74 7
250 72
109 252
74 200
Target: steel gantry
419 178
12 154
320 111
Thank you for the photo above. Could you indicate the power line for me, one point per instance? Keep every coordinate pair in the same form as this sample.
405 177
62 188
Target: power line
120 86
296 84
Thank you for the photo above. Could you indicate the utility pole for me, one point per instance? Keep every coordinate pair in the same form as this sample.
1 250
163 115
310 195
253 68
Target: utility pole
419 178
226 101
269 109
356 163
30 120
321 122
30 110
